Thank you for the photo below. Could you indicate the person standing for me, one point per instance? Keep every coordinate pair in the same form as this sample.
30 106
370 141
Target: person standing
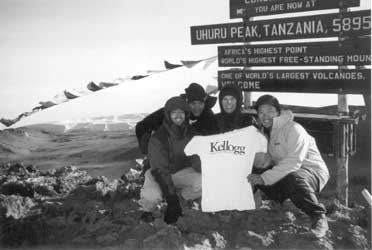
298 171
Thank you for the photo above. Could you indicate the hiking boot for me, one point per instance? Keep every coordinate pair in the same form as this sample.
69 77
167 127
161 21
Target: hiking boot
319 226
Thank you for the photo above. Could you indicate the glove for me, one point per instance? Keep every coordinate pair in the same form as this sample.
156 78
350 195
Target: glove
173 209
194 162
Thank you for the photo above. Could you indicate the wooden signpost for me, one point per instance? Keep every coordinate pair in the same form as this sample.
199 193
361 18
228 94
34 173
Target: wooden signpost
352 48
248 8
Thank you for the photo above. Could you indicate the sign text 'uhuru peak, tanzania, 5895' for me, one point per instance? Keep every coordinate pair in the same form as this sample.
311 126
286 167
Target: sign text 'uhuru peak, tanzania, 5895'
250 8
347 24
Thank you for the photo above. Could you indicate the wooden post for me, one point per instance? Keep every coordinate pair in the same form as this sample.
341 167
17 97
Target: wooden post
247 99
342 154
342 161
343 107
247 96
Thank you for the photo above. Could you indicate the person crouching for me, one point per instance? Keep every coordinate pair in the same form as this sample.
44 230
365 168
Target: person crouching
171 169
298 170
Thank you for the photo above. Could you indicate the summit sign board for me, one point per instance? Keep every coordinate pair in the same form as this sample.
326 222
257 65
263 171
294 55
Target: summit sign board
250 8
348 52
352 24
348 81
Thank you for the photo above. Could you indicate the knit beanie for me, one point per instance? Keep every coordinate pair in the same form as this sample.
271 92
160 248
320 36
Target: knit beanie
269 100
195 92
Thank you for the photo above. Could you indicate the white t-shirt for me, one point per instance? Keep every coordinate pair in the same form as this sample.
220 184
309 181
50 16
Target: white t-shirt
226 161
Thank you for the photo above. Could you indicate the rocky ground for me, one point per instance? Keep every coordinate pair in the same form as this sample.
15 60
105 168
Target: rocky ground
68 209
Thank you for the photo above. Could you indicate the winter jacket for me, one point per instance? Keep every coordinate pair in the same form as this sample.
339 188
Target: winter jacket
291 147
146 126
203 125
166 153
225 124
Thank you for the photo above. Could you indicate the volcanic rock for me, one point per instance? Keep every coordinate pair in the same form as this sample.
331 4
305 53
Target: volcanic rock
167 238
66 207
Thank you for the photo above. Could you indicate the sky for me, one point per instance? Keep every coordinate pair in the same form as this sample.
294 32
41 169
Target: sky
47 46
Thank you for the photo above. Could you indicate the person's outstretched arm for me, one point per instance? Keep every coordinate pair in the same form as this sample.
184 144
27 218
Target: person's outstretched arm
145 127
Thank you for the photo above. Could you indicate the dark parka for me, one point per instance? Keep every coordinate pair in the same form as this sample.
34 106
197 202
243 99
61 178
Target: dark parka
166 147
203 125
227 122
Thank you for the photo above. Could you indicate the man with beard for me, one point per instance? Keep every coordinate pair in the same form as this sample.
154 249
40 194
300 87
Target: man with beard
170 167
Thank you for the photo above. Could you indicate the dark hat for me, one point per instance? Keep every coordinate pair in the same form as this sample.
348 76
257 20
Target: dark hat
234 91
269 100
195 92
174 103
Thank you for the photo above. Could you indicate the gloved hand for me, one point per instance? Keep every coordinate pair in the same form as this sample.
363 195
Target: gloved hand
194 162
173 209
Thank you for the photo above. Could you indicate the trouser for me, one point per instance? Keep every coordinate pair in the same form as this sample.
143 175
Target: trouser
299 186
187 180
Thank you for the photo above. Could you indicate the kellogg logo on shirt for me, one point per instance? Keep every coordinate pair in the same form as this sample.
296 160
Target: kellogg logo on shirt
225 146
